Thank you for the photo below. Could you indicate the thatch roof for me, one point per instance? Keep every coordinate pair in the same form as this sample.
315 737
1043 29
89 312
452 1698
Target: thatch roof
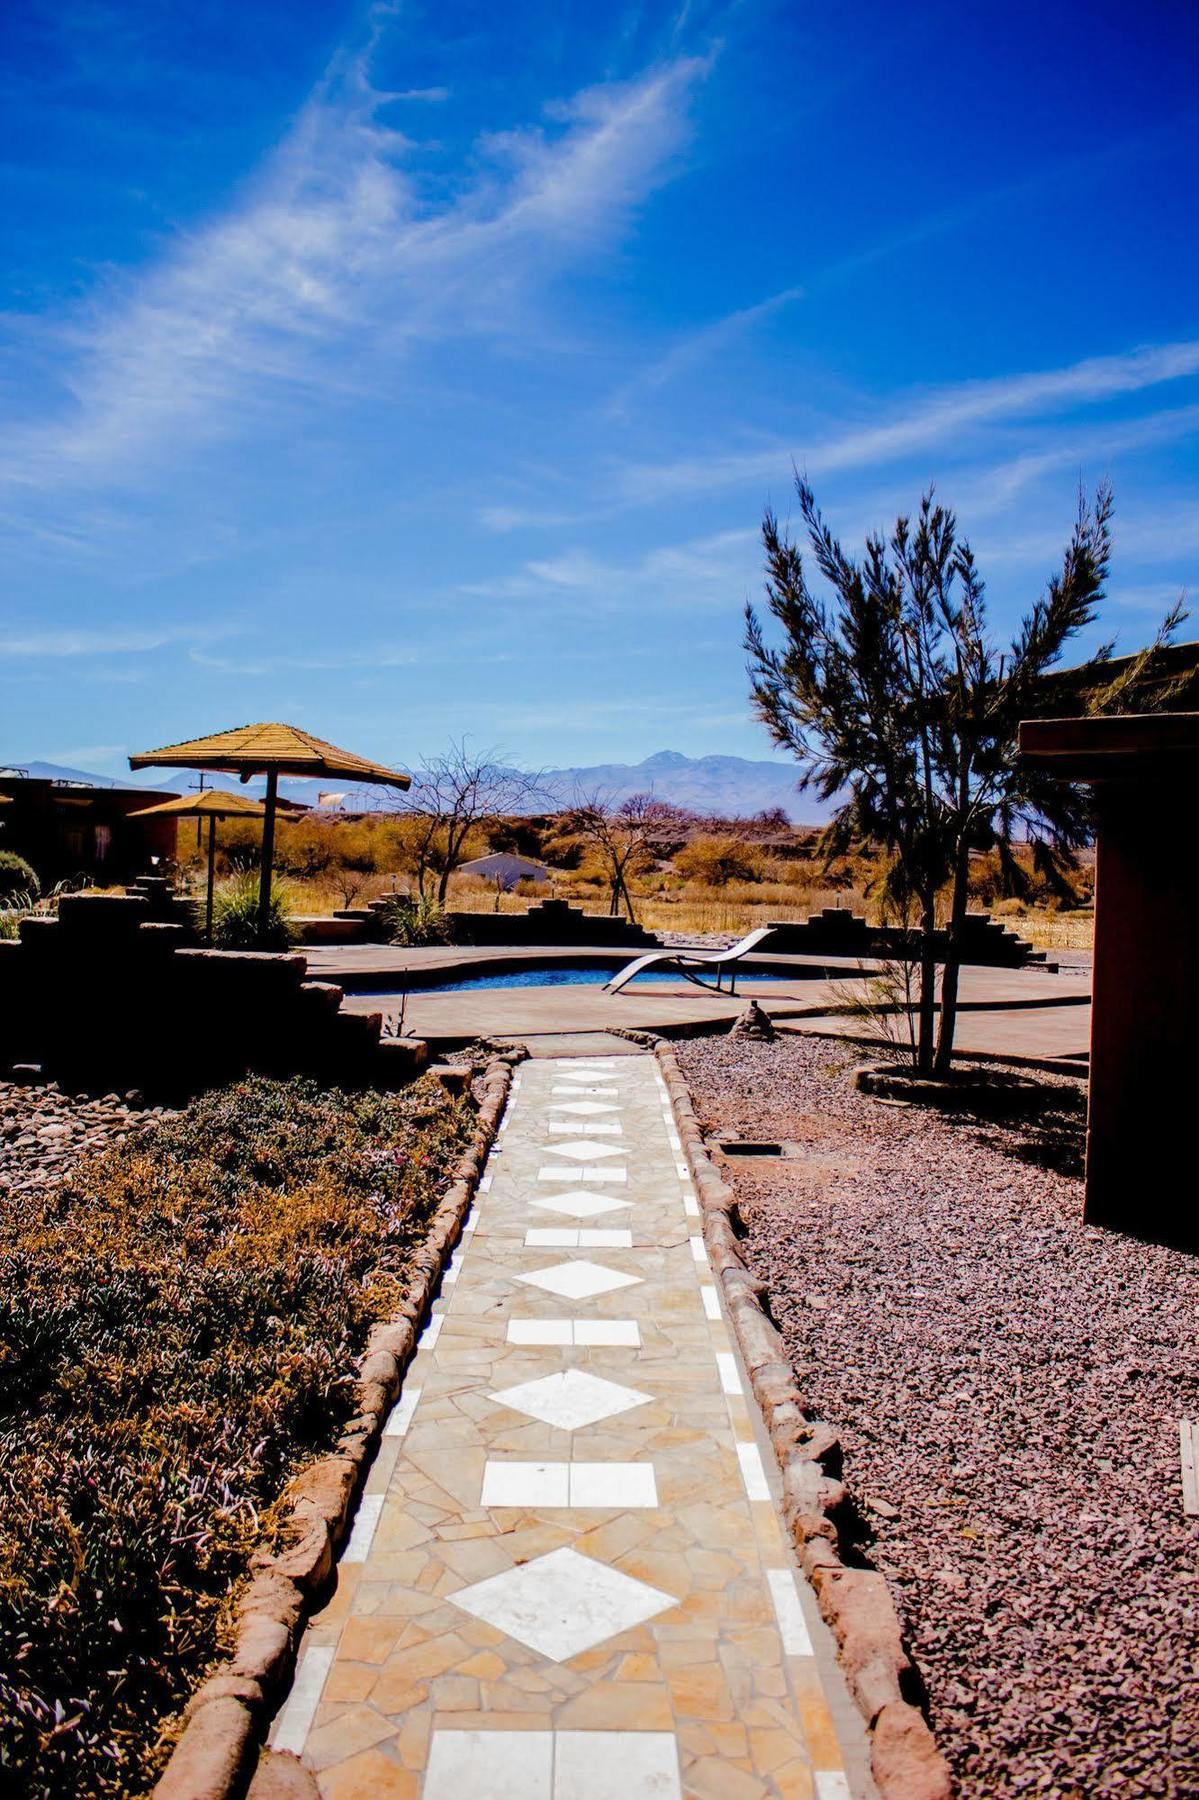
256 749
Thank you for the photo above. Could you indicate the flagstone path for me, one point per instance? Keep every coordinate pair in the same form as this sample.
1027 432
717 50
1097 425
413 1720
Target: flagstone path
567 1579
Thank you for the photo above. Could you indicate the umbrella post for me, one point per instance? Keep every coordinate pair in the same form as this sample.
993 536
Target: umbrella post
268 854
211 873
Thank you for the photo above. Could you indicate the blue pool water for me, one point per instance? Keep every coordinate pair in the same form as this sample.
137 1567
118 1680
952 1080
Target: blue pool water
565 976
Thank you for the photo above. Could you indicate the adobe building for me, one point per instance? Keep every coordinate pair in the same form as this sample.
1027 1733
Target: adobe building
1142 770
66 829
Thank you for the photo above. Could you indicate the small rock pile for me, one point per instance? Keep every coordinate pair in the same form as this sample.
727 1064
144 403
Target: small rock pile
44 1132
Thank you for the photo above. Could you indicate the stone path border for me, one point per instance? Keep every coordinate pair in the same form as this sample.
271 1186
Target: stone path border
228 1713
854 1601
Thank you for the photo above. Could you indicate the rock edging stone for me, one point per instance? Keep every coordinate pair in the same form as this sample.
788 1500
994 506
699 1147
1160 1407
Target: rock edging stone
225 1717
854 1601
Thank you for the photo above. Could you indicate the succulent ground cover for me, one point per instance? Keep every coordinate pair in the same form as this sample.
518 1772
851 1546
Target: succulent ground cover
179 1320
1006 1383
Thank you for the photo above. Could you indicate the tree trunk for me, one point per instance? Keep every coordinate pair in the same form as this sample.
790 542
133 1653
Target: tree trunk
953 964
925 1041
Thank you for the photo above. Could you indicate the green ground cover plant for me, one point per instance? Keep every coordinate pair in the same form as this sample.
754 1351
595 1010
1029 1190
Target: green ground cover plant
179 1322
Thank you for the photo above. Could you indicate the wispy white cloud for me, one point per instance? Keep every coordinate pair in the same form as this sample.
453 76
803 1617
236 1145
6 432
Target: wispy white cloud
334 260
696 348
115 640
931 422
665 575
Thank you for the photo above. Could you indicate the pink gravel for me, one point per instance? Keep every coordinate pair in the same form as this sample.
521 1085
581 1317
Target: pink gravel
1007 1383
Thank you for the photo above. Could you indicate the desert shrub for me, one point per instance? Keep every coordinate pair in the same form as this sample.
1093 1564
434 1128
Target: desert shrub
178 1322
717 860
235 916
18 880
414 919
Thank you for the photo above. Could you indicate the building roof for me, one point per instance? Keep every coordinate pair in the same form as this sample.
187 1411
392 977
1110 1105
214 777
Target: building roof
213 803
256 749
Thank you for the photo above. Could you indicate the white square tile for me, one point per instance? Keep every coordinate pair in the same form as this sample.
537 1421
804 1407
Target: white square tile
752 1472
589 1127
586 1151
580 1204
584 1062
579 1280
552 1237
683 1171
608 1334
711 1302
400 1416
793 1627
613 1484
609 1093
294 1720
616 1765
691 1206
831 1784
540 1331
362 1533
490 1765
730 1381
560 1605
605 1237
525 1484
584 1108
570 1398
698 1252
574 1172
431 1333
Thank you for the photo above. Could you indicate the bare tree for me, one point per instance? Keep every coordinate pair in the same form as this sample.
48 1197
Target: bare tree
454 794
622 837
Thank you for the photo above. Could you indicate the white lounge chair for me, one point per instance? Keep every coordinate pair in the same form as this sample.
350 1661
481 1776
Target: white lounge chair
686 960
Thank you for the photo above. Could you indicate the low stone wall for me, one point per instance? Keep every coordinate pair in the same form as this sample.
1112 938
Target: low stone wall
106 996
854 1600
227 1716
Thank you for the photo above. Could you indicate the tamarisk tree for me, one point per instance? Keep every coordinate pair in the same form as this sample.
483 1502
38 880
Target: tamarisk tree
893 696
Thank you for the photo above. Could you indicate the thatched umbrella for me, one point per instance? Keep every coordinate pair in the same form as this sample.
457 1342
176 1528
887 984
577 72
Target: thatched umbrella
212 805
270 750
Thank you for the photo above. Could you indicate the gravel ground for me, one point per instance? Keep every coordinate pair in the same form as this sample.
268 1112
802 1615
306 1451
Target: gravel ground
1007 1384
43 1131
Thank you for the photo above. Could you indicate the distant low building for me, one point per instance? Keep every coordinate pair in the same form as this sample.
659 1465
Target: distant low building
505 869
67 829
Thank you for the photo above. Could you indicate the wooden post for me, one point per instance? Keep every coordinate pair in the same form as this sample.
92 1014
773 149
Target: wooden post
268 855
211 875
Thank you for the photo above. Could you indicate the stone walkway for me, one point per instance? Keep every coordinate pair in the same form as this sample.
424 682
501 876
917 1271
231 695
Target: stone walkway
567 1579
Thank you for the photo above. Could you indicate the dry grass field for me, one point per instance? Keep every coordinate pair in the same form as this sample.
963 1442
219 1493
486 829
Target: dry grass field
688 887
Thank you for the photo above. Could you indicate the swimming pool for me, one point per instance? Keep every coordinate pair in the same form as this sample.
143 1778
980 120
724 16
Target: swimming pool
565 975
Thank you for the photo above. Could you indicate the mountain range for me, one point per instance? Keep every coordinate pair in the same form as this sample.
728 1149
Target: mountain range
730 786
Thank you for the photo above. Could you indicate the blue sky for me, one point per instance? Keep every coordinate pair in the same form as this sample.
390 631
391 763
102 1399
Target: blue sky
414 371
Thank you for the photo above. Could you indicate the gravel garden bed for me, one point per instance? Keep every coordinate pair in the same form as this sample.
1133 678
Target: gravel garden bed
181 1312
1007 1385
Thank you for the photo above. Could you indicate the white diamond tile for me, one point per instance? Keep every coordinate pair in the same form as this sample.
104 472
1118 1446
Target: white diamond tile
580 1204
571 1398
562 1604
581 1280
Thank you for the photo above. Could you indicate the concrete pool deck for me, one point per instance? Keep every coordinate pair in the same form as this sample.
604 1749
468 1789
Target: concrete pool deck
1006 1012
